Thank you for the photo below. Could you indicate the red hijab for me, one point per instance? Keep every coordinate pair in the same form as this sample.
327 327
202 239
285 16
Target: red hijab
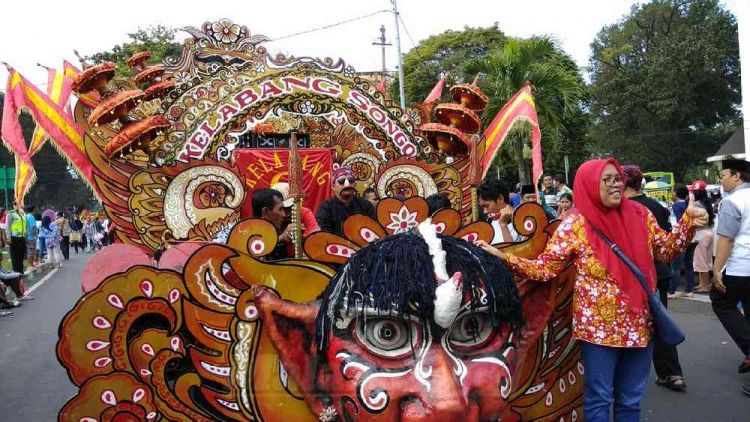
624 225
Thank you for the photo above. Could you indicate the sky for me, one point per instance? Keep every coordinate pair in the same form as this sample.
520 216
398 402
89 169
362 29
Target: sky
46 32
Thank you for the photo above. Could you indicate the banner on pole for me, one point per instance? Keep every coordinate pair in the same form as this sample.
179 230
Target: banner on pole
261 168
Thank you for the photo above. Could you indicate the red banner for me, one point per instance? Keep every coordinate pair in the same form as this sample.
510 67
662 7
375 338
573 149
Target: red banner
262 168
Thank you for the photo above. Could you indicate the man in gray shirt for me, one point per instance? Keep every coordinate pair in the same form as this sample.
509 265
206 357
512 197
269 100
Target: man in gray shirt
732 263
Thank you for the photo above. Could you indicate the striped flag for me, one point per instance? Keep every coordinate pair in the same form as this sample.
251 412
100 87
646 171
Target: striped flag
12 135
58 90
52 118
520 108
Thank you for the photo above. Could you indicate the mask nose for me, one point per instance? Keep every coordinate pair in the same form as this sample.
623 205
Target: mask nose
445 399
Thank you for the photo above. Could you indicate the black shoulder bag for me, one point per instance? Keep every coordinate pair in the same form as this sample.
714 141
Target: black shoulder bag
666 327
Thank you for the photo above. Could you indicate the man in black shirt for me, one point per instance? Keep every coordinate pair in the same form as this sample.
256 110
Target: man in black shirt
666 360
333 211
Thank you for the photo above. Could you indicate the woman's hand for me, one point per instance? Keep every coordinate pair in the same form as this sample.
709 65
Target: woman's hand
490 249
698 214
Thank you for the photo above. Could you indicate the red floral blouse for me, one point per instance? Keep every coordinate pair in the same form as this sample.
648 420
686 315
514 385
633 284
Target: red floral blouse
600 314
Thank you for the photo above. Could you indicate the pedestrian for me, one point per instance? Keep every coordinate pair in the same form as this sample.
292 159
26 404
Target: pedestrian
307 216
703 254
611 315
76 233
102 226
14 280
560 183
3 228
731 286
89 229
666 359
548 191
564 204
31 235
684 262
16 222
493 197
52 239
41 247
63 226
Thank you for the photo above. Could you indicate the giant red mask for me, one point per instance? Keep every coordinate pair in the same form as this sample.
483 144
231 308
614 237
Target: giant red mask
388 345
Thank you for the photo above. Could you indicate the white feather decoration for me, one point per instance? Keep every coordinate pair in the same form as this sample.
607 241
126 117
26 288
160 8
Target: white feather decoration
449 292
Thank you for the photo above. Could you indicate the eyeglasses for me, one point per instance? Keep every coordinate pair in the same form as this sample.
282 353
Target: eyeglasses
343 180
612 181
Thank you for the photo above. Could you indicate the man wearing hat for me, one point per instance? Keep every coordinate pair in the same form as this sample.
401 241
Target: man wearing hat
333 211
307 218
732 263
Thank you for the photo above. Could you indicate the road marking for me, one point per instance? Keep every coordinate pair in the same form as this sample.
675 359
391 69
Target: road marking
42 281
696 298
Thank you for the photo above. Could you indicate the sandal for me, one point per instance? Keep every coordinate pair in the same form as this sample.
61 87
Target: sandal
673 382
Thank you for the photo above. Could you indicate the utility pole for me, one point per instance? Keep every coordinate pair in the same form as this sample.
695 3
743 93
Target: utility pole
400 62
381 42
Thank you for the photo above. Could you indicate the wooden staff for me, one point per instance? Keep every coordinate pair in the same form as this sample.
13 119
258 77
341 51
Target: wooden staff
474 175
295 192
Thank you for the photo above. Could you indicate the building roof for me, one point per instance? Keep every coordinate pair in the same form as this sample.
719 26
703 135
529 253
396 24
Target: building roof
734 147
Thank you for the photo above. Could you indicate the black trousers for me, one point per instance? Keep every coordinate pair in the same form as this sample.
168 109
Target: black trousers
725 308
65 247
17 253
666 359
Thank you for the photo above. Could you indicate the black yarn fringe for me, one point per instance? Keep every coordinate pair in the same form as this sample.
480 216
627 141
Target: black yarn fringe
396 274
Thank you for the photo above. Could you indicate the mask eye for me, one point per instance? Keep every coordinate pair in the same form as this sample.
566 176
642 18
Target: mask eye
386 336
471 330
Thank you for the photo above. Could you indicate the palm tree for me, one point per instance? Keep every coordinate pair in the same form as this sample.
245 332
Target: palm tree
559 88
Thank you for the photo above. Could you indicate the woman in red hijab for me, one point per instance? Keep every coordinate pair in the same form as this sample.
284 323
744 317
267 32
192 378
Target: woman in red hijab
611 316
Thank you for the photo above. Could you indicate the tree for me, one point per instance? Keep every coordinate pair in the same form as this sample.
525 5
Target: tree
446 52
159 40
665 84
558 95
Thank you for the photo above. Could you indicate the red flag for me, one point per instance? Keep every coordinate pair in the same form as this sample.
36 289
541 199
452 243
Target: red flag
263 167
437 91
58 90
12 135
62 129
520 108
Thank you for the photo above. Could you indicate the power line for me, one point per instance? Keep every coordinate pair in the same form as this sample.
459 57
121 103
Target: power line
320 28
416 49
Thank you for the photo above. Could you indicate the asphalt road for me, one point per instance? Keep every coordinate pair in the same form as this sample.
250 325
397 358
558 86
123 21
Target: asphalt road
33 386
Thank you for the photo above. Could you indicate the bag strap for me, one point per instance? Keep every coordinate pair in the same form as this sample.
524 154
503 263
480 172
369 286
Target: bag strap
624 258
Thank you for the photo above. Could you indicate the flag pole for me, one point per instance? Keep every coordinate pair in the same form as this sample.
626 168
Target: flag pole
474 177
295 192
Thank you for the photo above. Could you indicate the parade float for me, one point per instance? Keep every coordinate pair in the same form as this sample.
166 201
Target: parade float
351 328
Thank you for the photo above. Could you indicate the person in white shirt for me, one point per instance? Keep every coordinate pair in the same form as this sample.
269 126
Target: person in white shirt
493 198
732 263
